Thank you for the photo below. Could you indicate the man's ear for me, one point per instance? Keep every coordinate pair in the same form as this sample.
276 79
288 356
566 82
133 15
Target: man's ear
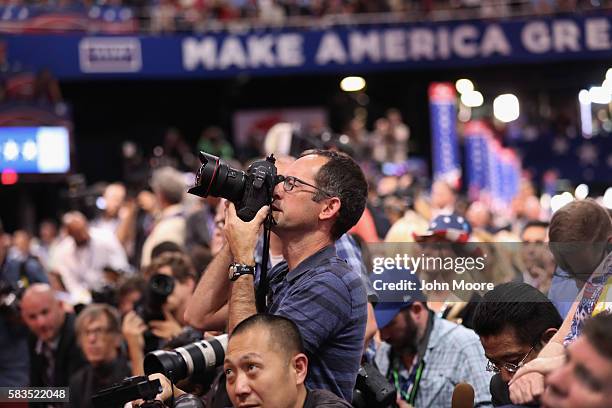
332 207
300 365
547 335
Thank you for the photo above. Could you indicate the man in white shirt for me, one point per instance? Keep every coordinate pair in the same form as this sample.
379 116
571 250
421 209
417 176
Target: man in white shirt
80 258
169 187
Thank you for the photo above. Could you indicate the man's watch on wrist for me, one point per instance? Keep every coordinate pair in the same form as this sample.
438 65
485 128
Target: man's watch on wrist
236 270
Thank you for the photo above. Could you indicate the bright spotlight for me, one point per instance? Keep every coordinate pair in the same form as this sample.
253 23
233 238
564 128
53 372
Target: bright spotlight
609 73
600 95
464 85
560 200
584 97
473 99
506 108
352 84
607 198
582 192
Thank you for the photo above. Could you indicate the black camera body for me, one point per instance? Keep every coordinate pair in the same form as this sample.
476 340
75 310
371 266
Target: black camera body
249 191
130 389
158 289
372 390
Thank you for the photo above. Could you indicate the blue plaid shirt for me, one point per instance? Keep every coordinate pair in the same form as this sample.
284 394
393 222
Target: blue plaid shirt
454 355
327 301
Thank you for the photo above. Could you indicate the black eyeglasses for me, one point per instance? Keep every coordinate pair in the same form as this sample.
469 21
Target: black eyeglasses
511 368
289 183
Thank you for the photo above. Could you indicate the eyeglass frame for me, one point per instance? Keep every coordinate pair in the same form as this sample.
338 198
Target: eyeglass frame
286 179
98 332
511 368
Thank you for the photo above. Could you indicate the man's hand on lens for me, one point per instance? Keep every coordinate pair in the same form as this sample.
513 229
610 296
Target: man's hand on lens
133 329
166 390
527 388
242 236
166 329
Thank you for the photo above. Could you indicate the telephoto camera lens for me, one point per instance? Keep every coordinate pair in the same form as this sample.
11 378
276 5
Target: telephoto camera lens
216 178
183 362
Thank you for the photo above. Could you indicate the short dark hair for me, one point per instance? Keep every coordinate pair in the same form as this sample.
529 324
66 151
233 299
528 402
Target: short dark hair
284 333
94 311
519 306
182 268
341 177
598 330
163 247
537 224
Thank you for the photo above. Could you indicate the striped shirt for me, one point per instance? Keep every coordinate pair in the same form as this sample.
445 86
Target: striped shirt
327 301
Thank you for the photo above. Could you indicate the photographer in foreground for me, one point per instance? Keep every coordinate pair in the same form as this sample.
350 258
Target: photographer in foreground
322 195
264 366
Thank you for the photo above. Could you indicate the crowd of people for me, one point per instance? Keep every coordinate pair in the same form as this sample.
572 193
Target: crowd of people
84 300
168 16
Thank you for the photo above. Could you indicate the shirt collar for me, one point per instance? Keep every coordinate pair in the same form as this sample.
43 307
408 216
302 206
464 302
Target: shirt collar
312 262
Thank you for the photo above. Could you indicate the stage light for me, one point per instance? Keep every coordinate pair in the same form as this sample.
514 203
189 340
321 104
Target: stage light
506 108
600 95
560 200
584 97
582 191
472 99
609 73
352 84
464 86
8 177
586 115
607 198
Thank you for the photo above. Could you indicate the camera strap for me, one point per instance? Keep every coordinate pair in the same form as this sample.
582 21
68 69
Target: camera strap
261 295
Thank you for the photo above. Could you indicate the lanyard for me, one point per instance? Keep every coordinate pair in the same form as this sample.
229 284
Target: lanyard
409 395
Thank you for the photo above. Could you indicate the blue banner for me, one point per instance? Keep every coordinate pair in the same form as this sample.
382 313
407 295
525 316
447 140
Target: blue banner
445 149
336 50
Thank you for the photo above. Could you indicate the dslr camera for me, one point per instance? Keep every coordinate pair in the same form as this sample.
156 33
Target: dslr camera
188 361
158 289
249 191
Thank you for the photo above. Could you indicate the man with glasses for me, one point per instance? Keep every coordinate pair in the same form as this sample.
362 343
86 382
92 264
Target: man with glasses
514 322
99 336
581 242
321 197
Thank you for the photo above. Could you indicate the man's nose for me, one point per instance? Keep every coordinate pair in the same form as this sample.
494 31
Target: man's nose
557 381
242 385
278 191
506 375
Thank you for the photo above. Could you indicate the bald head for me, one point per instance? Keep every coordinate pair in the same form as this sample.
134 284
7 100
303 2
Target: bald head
77 227
42 312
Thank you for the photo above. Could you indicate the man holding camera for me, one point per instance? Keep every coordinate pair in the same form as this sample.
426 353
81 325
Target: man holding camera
322 196
178 267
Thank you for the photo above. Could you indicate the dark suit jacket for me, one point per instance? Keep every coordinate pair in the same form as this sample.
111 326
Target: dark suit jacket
68 357
86 382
